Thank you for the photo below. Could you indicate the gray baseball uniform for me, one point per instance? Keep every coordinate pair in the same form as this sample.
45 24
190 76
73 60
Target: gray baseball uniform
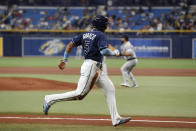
129 65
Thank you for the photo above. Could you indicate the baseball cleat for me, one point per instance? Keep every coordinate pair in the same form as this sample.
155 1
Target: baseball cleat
46 107
123 120
125 84
135 85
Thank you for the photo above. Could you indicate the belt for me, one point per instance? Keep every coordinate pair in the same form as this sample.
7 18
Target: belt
131 59
98 64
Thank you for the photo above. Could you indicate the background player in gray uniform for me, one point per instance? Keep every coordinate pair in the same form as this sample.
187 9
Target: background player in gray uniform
129 55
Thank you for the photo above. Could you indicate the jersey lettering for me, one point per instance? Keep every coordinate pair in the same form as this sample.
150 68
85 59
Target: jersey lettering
89 36
92 42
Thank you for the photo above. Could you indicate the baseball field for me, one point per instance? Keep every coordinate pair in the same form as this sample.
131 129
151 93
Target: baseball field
164 100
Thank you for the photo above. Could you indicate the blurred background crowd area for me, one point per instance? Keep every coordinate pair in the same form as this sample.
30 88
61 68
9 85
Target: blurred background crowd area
96 2
77 14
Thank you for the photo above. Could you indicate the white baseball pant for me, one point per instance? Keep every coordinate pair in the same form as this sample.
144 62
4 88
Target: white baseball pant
126 71
90 74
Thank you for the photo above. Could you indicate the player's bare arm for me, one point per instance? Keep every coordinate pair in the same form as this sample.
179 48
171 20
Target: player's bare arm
68 49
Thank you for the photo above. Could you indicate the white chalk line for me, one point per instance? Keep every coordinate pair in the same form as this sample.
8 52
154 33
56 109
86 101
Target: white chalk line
96 119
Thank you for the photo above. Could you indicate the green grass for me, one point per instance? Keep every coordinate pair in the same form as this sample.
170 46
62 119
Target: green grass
111 62
46 127
157 96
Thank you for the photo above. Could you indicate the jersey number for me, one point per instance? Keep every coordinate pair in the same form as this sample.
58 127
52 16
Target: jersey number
86 47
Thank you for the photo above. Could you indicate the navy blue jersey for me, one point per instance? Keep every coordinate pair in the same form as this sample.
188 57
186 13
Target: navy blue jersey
92 42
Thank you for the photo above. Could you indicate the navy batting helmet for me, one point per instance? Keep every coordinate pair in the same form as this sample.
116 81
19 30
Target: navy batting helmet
125 37
100 22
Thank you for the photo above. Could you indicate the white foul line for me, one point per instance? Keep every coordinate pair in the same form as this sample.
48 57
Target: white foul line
96 119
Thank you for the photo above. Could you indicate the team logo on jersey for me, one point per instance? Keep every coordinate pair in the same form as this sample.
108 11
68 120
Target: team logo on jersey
52 47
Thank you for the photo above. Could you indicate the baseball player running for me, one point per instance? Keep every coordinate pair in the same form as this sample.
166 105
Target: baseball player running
129 55
95 47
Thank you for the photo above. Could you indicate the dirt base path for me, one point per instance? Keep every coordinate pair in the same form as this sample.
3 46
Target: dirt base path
99 120
113 71
28 84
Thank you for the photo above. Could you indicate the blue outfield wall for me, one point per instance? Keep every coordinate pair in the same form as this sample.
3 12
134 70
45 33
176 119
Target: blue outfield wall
194 48
146 46
12 45
182 46
55 46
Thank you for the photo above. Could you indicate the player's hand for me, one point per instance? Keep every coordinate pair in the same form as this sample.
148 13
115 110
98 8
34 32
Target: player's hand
117 52
123 53
111 47
62 65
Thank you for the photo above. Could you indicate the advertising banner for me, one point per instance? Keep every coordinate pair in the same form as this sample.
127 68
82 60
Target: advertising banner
1 46
194 48
148 47
45 46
